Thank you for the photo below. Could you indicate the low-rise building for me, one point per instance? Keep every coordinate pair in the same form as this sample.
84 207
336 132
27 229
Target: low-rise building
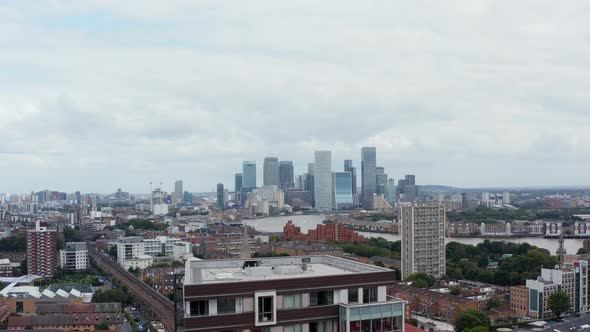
432 304
8 269
519 301
74 256
131 253
309 293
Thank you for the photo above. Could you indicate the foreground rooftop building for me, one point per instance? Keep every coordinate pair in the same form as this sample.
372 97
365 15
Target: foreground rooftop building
311 293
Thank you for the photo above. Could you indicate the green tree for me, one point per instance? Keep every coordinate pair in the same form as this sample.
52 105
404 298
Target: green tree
470 319
71 235
113 252
379 263
23 267
477 329
581 251
493 302
420 280
102 327
455 291
559 302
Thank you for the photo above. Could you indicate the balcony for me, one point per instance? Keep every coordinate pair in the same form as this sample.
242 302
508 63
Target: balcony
385 316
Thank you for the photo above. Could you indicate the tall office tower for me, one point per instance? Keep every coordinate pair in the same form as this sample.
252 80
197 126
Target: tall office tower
238 187
42 250
220 196
286 175
381 179
391 191
485 199
423 238
179 191
309 181
323 187
343 190
159 205
349 168
464 201
300 182
506 197
249 174
368 175
271 171
410 180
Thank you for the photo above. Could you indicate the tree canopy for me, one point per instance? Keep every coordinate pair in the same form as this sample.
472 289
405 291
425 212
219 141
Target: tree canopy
16 242
420 280
559 302
517 262
470 319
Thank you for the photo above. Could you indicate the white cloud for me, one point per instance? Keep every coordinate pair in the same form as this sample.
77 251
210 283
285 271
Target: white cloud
101 94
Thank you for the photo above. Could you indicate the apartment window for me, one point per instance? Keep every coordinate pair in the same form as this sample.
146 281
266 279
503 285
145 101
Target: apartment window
323 326
369 294
19 307
353 295
199 308
293 328
292 301
226 306
265 308
321 298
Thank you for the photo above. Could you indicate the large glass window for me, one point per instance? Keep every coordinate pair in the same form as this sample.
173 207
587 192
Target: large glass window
353 295
369 294
321 298
199 308
293 328
265 309
292 301
226 306
323 326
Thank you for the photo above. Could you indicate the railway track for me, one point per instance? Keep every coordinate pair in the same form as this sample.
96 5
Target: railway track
160 305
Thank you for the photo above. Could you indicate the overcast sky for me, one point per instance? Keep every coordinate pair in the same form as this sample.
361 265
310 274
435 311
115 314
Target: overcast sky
100 94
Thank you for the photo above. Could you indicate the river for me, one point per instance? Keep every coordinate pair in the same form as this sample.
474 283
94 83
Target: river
275 224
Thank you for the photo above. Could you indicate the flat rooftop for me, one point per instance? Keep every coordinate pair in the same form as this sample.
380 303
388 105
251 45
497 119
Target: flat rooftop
272 268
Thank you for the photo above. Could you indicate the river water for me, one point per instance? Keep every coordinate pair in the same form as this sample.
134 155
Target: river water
275 224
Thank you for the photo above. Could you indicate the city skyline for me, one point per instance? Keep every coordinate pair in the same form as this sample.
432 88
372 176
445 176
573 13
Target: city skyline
437 96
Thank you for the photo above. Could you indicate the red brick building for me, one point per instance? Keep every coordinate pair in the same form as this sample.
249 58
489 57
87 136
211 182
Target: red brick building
330 232
42 250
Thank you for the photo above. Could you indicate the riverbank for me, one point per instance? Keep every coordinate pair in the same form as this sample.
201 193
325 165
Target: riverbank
306 222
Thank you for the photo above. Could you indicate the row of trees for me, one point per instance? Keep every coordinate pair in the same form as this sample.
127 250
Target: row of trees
487 215
16 242
374 247
471 262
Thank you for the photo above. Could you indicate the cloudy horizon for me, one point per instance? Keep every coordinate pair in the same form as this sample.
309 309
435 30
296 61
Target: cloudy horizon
101 94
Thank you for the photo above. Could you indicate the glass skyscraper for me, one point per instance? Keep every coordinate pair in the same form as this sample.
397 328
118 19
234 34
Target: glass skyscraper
270 170
286 175
323 187
369 175
343 190
249 174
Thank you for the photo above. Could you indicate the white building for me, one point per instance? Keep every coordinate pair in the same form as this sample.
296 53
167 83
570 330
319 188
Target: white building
272 194
182 251
131 253
160 246
74 256
159 205
323 186
423 238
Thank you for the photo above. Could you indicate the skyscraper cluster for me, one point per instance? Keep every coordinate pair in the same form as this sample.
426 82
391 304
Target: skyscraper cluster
323 187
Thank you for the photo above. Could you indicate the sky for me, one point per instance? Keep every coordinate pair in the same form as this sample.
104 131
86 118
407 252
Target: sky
101 94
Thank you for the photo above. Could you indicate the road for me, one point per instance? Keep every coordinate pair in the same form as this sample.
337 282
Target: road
160 305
